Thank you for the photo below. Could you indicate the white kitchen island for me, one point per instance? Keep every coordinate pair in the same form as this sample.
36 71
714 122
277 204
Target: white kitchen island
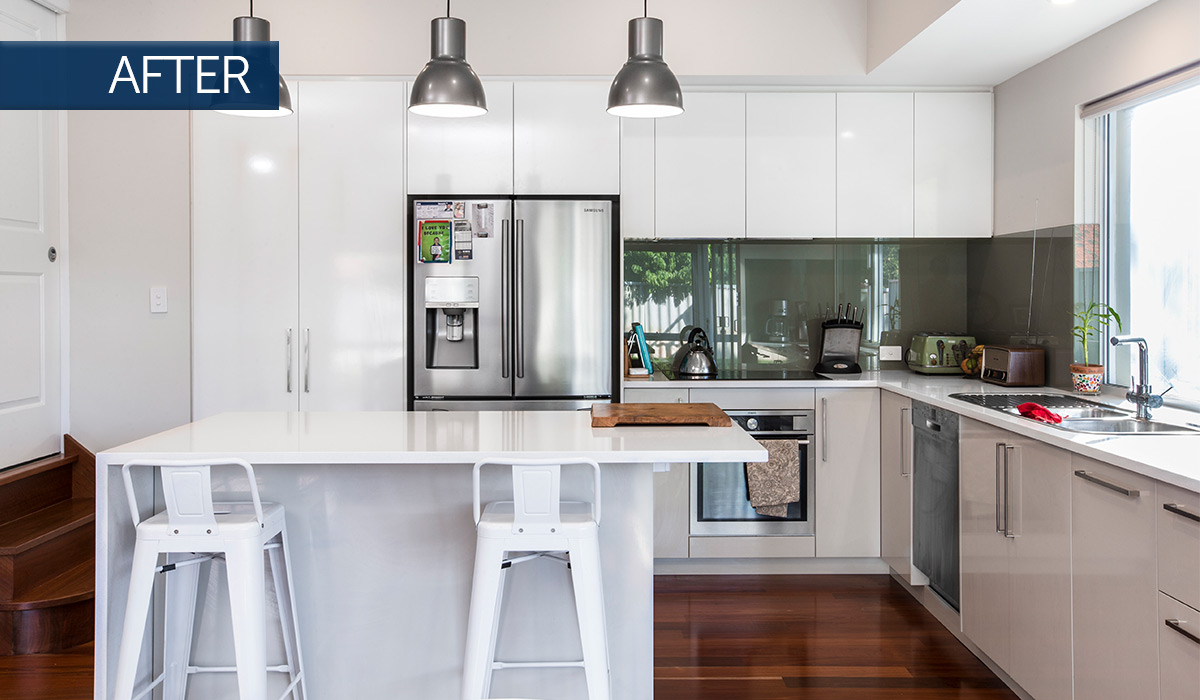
382 542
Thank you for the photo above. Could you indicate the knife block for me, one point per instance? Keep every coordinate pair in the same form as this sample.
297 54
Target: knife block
839 348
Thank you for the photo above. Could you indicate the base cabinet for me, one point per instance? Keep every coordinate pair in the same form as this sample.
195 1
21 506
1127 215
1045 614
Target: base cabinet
1113 582
847 457
1179 649
895 487
1016 556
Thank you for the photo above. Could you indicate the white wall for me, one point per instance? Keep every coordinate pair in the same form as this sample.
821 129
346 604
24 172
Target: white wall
891 24
1036 111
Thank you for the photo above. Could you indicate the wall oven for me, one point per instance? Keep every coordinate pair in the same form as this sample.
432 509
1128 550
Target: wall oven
720 502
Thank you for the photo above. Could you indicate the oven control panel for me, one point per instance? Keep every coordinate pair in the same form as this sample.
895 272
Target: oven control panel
760 422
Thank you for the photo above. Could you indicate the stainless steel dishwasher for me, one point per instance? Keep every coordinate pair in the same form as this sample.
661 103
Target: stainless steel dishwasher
935 498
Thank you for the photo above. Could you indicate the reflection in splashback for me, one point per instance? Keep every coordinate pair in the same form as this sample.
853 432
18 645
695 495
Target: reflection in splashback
1000 292
762 302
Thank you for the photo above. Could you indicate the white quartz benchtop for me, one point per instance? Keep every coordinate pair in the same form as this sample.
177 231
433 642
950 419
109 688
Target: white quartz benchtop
441 437
1174 459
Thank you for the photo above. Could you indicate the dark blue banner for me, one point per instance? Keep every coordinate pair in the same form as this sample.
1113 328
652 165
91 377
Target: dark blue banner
139 75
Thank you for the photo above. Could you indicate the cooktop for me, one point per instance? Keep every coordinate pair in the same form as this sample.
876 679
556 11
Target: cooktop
756 374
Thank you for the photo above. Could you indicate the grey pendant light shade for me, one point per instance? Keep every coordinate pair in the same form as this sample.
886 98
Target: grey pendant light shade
447 86
645 86
258 29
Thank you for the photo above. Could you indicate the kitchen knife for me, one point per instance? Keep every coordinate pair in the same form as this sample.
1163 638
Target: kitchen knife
839 316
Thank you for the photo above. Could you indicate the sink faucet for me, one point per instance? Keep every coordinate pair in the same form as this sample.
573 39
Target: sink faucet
1141 394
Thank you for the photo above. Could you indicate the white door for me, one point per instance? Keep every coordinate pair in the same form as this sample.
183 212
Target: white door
847 474
563 140
352 243
30 366
472 156
700 169
245 335
791 165
875 165
952 164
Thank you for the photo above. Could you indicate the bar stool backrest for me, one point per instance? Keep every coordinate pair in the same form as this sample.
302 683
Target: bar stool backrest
188 493
537 492
187 490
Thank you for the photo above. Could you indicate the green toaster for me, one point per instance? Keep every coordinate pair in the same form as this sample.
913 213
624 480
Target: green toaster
938 353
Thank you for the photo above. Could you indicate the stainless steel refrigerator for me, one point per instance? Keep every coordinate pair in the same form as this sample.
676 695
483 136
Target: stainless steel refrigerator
511 303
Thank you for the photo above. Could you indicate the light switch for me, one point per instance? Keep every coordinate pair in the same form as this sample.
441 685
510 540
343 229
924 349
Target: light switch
158 300
890 353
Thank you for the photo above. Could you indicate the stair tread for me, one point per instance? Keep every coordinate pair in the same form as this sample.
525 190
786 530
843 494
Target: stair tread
15 474
46 524
71 586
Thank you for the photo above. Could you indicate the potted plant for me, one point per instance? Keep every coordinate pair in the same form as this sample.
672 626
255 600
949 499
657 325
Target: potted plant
1086 377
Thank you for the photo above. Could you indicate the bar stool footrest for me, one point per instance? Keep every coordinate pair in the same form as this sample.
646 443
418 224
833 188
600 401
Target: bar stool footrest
498 665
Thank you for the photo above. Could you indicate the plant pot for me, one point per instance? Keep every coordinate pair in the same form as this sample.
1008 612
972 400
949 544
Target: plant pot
1086 379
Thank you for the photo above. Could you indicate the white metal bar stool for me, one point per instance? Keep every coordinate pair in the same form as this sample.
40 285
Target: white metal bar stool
191 531
536 523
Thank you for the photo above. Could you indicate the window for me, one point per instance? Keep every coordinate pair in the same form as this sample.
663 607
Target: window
1152 185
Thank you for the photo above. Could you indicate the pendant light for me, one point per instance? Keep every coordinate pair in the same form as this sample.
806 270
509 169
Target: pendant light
446 86
645 86
258 29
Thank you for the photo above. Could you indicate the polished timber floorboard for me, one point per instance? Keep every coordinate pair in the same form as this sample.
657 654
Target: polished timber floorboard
726 638
818 637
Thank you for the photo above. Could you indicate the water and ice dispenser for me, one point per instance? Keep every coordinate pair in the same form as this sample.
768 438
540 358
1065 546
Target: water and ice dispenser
452 322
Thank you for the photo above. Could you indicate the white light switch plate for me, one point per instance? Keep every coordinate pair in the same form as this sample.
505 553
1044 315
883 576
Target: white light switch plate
890 353
158 300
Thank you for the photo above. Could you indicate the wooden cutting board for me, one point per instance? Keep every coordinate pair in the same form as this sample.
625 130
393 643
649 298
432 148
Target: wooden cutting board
610 415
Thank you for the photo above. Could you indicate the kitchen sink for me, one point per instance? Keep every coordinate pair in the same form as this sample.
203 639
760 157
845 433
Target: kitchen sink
1080 415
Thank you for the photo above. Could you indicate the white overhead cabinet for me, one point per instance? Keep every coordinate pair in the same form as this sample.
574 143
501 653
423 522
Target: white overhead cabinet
564 142
953 164
298 263
791 158
538 137
637 178
874 165
1015 516
700 168
847 457
471 155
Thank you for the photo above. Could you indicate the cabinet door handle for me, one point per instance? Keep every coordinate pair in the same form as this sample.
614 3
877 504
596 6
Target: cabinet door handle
520 291
1180 510
999 475
1177 625
904 456
1008 531
289 360
1107 484
824 429
307 358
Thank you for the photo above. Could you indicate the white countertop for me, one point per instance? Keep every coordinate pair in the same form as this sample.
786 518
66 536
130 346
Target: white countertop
1174 459
441 437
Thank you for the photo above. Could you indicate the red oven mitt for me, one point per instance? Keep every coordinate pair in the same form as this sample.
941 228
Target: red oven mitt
1039 412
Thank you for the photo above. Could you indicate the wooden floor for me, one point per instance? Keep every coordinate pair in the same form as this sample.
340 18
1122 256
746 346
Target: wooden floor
812 637
726 638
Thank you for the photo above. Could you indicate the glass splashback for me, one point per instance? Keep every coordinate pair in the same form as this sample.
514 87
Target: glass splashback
762 302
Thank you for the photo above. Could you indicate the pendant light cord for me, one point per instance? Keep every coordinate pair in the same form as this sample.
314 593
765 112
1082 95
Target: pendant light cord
251 8
645 8
447 8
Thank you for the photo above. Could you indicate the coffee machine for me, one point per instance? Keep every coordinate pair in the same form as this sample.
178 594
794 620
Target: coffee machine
778 328
451 322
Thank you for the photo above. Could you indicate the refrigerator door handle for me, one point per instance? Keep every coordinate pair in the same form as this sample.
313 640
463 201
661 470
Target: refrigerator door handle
505 296
519 265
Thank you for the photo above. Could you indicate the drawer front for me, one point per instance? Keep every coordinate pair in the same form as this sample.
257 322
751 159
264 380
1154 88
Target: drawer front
749 399
656 396
744 547
1178 650
1179 544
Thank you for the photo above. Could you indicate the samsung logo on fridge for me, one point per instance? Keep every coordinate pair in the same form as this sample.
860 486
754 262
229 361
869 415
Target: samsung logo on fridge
594 210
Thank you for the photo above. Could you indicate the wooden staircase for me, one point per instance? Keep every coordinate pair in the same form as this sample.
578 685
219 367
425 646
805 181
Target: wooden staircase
47 553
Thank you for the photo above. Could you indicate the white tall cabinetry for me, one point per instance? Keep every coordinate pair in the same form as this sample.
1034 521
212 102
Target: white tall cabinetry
1016 555
298 254
847 457
874 165
700 169
564 142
